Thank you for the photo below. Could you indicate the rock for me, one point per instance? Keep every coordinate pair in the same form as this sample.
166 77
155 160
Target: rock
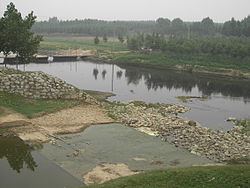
192 123
231 119
37 85
213 144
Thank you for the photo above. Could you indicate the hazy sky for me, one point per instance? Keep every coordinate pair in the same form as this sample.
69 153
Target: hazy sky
188 10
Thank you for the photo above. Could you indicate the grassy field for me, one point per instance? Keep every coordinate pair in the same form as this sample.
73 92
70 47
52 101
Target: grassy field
52 44
33 107
230 176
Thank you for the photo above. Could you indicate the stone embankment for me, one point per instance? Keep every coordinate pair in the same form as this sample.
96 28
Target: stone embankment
164 122
37 85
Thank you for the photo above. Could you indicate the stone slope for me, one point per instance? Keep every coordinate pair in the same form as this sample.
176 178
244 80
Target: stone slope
37 85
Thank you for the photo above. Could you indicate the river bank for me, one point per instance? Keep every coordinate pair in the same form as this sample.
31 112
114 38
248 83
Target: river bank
221 66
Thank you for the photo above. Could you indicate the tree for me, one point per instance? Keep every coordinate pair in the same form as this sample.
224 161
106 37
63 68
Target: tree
105 39
16 35
178 26
163 25
1 35
208 26
121 39
96 40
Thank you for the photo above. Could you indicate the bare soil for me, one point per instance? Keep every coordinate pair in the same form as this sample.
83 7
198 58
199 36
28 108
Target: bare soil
42 129
106 172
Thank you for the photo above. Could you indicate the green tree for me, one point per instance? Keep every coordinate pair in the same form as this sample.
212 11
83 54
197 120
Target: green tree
96 40
16 35
208 26
178 27
163 25
105 38
121 39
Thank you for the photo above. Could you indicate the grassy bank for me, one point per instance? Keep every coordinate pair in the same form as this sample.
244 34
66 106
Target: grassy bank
214 176
34 107
191 63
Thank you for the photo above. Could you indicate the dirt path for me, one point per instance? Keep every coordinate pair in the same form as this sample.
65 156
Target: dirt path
41 129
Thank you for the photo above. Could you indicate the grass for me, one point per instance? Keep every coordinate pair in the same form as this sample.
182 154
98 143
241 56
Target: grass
245 123
57 43
34 107
245 160
188 98
148 105
186 61
1 111
99 94
193 177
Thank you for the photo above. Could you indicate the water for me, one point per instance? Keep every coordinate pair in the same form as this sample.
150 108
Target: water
23 167
226 97
114 143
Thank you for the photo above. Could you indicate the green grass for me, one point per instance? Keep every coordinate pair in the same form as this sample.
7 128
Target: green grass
231 176
189 62
188 98
1 111
57 43
245 123
34 107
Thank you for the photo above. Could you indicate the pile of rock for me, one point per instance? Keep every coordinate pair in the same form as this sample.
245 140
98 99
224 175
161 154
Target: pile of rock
214 144
37 85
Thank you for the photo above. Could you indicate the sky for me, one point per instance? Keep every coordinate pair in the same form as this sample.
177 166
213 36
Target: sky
187 10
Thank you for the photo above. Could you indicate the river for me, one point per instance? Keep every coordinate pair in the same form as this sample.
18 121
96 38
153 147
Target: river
226 97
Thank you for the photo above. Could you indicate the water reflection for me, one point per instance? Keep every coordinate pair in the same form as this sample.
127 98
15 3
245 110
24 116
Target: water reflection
17 153
95 73
119 74
104 72
158 79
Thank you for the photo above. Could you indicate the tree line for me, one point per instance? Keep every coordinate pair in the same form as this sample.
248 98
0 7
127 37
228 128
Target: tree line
176 27
16 36
230 46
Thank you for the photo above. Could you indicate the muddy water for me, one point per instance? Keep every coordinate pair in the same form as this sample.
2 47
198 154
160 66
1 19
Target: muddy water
226 97
114 143
23 167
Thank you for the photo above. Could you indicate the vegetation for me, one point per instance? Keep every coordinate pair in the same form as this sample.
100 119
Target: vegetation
245 123
55 44
211 176
15 34
188 98
229 46
96 40
220 64
176 27
34 107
